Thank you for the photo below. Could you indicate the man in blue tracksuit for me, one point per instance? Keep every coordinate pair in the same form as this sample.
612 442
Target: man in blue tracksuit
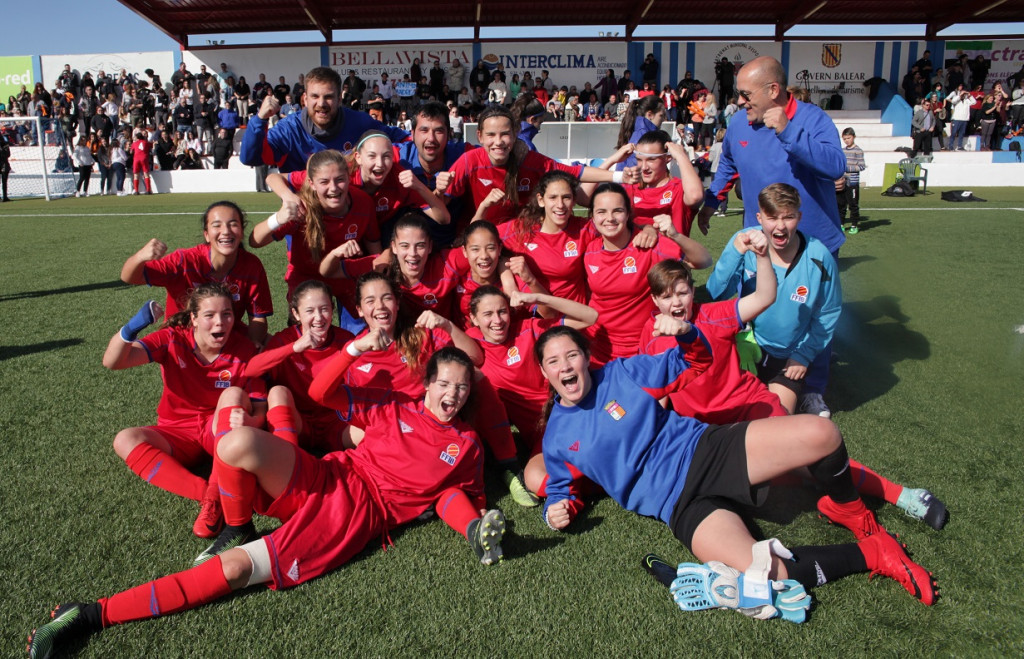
322 124
777 139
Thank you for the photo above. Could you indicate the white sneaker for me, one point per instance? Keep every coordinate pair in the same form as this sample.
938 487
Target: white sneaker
78 193
814 404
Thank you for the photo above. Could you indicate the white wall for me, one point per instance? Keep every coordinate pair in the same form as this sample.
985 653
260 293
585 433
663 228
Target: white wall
162 63
250 62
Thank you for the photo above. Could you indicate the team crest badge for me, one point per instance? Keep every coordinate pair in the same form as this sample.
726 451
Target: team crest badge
450 454
615 410
352 232
799 295
524 185
430 299
831 54
223 380
382 204
571 249
513 356
629 266
666 198
233 289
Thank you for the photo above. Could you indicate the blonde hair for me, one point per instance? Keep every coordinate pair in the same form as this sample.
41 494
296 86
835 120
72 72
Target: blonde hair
315 235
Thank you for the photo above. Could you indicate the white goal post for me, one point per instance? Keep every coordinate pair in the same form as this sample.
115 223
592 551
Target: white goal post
38 168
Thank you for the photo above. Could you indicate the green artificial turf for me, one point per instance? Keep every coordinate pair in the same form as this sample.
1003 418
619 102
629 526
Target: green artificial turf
926 387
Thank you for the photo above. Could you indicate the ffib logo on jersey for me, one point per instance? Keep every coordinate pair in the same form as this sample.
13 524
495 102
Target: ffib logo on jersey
223 380
513 356
800 295
615 410
450 453
570 249
524 185
430 299
352 233
665 198
382 204
233 289
629 266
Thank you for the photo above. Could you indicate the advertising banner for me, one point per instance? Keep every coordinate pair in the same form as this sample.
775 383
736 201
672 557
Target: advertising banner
833 67
370 61
738 52
15 72
1005 56
568 64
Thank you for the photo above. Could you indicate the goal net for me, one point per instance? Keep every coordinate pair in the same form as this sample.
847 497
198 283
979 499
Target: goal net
40 158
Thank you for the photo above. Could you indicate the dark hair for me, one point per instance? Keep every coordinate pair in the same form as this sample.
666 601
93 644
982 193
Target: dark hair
655 137
637 108
481 293
452 355
324 74
184 317
609 187
532 215
664 275
226 204
526 106
432 110
549 335
306 287
408 338
478 225
850 131
516 154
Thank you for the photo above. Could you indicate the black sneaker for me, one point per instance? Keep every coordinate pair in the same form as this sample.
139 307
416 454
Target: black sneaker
485 536
229 538
69 621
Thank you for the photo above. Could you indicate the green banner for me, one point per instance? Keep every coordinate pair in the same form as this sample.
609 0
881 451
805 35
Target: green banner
15 72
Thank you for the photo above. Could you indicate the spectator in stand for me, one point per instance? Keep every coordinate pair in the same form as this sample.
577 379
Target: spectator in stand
164 150
961 102
260 89
979 70
649 70
987 120
221 149
706 137
118 168
515 88
289 106
465 98
206 119
86 109
924 122
479 77
436 79
386 90
224 75
540 93
299 88
725 76
101 154
242 95
573 109
83 163
456 75
624 82
924 65
228 119
456 123
849 196
497 91
183 118
670 100
181 76
608 87
611 108
281 90
69 80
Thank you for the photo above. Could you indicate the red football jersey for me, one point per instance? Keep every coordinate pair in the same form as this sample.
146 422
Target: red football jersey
556 259
192 388
181 271
621 296
298 369
436 289
391 195
387 369
668 199
473 174
724 393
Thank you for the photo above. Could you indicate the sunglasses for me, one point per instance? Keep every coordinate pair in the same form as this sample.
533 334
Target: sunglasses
746 95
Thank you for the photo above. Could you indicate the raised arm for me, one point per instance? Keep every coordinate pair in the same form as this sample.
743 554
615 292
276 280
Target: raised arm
132 270
429 320
326 387
437 211
766 284
123 351
695 255
576 315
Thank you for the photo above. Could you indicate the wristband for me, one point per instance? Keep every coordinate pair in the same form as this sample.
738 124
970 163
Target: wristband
143 318
352 349
272 222
617 176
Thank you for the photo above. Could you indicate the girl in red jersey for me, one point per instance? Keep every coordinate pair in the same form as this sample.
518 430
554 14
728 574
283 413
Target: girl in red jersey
331 507
293 358
726 393
617 271
325 213
221 259
658 192
507 341
142 163
206 393
505 163
391 186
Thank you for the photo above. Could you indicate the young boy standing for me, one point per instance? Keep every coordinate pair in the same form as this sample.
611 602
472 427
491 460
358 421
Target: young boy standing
801 322
850 194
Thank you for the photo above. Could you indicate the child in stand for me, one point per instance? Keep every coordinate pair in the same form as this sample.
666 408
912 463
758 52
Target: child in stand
800 324
850 195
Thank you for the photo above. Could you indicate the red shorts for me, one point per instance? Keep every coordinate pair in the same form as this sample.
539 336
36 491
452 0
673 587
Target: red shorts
141 166
322 432
329 516
190 442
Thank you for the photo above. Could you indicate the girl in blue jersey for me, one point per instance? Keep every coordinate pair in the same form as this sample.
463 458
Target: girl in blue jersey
607 425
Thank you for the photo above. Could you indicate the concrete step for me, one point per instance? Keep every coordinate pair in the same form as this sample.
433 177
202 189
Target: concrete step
860 116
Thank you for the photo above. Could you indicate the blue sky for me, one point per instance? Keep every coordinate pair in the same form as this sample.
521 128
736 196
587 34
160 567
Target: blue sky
90 26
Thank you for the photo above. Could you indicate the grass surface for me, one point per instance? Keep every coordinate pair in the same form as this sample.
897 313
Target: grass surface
927 390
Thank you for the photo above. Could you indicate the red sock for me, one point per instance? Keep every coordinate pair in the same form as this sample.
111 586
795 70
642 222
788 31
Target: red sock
282 421
161 469
869 482
135 184
457 511
542 491
167 595
491 422
222 426
237 491
146 181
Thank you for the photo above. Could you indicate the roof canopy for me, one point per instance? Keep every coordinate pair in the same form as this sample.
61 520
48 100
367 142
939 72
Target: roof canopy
181 18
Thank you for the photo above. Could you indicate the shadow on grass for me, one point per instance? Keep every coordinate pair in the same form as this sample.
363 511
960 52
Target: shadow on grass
847 262
10 352
871 338
117 283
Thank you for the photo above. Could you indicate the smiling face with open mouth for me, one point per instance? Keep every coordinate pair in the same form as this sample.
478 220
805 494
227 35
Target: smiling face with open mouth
411 247
378 306
322 102
557 201
314 311
375 158
496 137
482 250
565 366
780 229
223 231
492 316
330 183
448 391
